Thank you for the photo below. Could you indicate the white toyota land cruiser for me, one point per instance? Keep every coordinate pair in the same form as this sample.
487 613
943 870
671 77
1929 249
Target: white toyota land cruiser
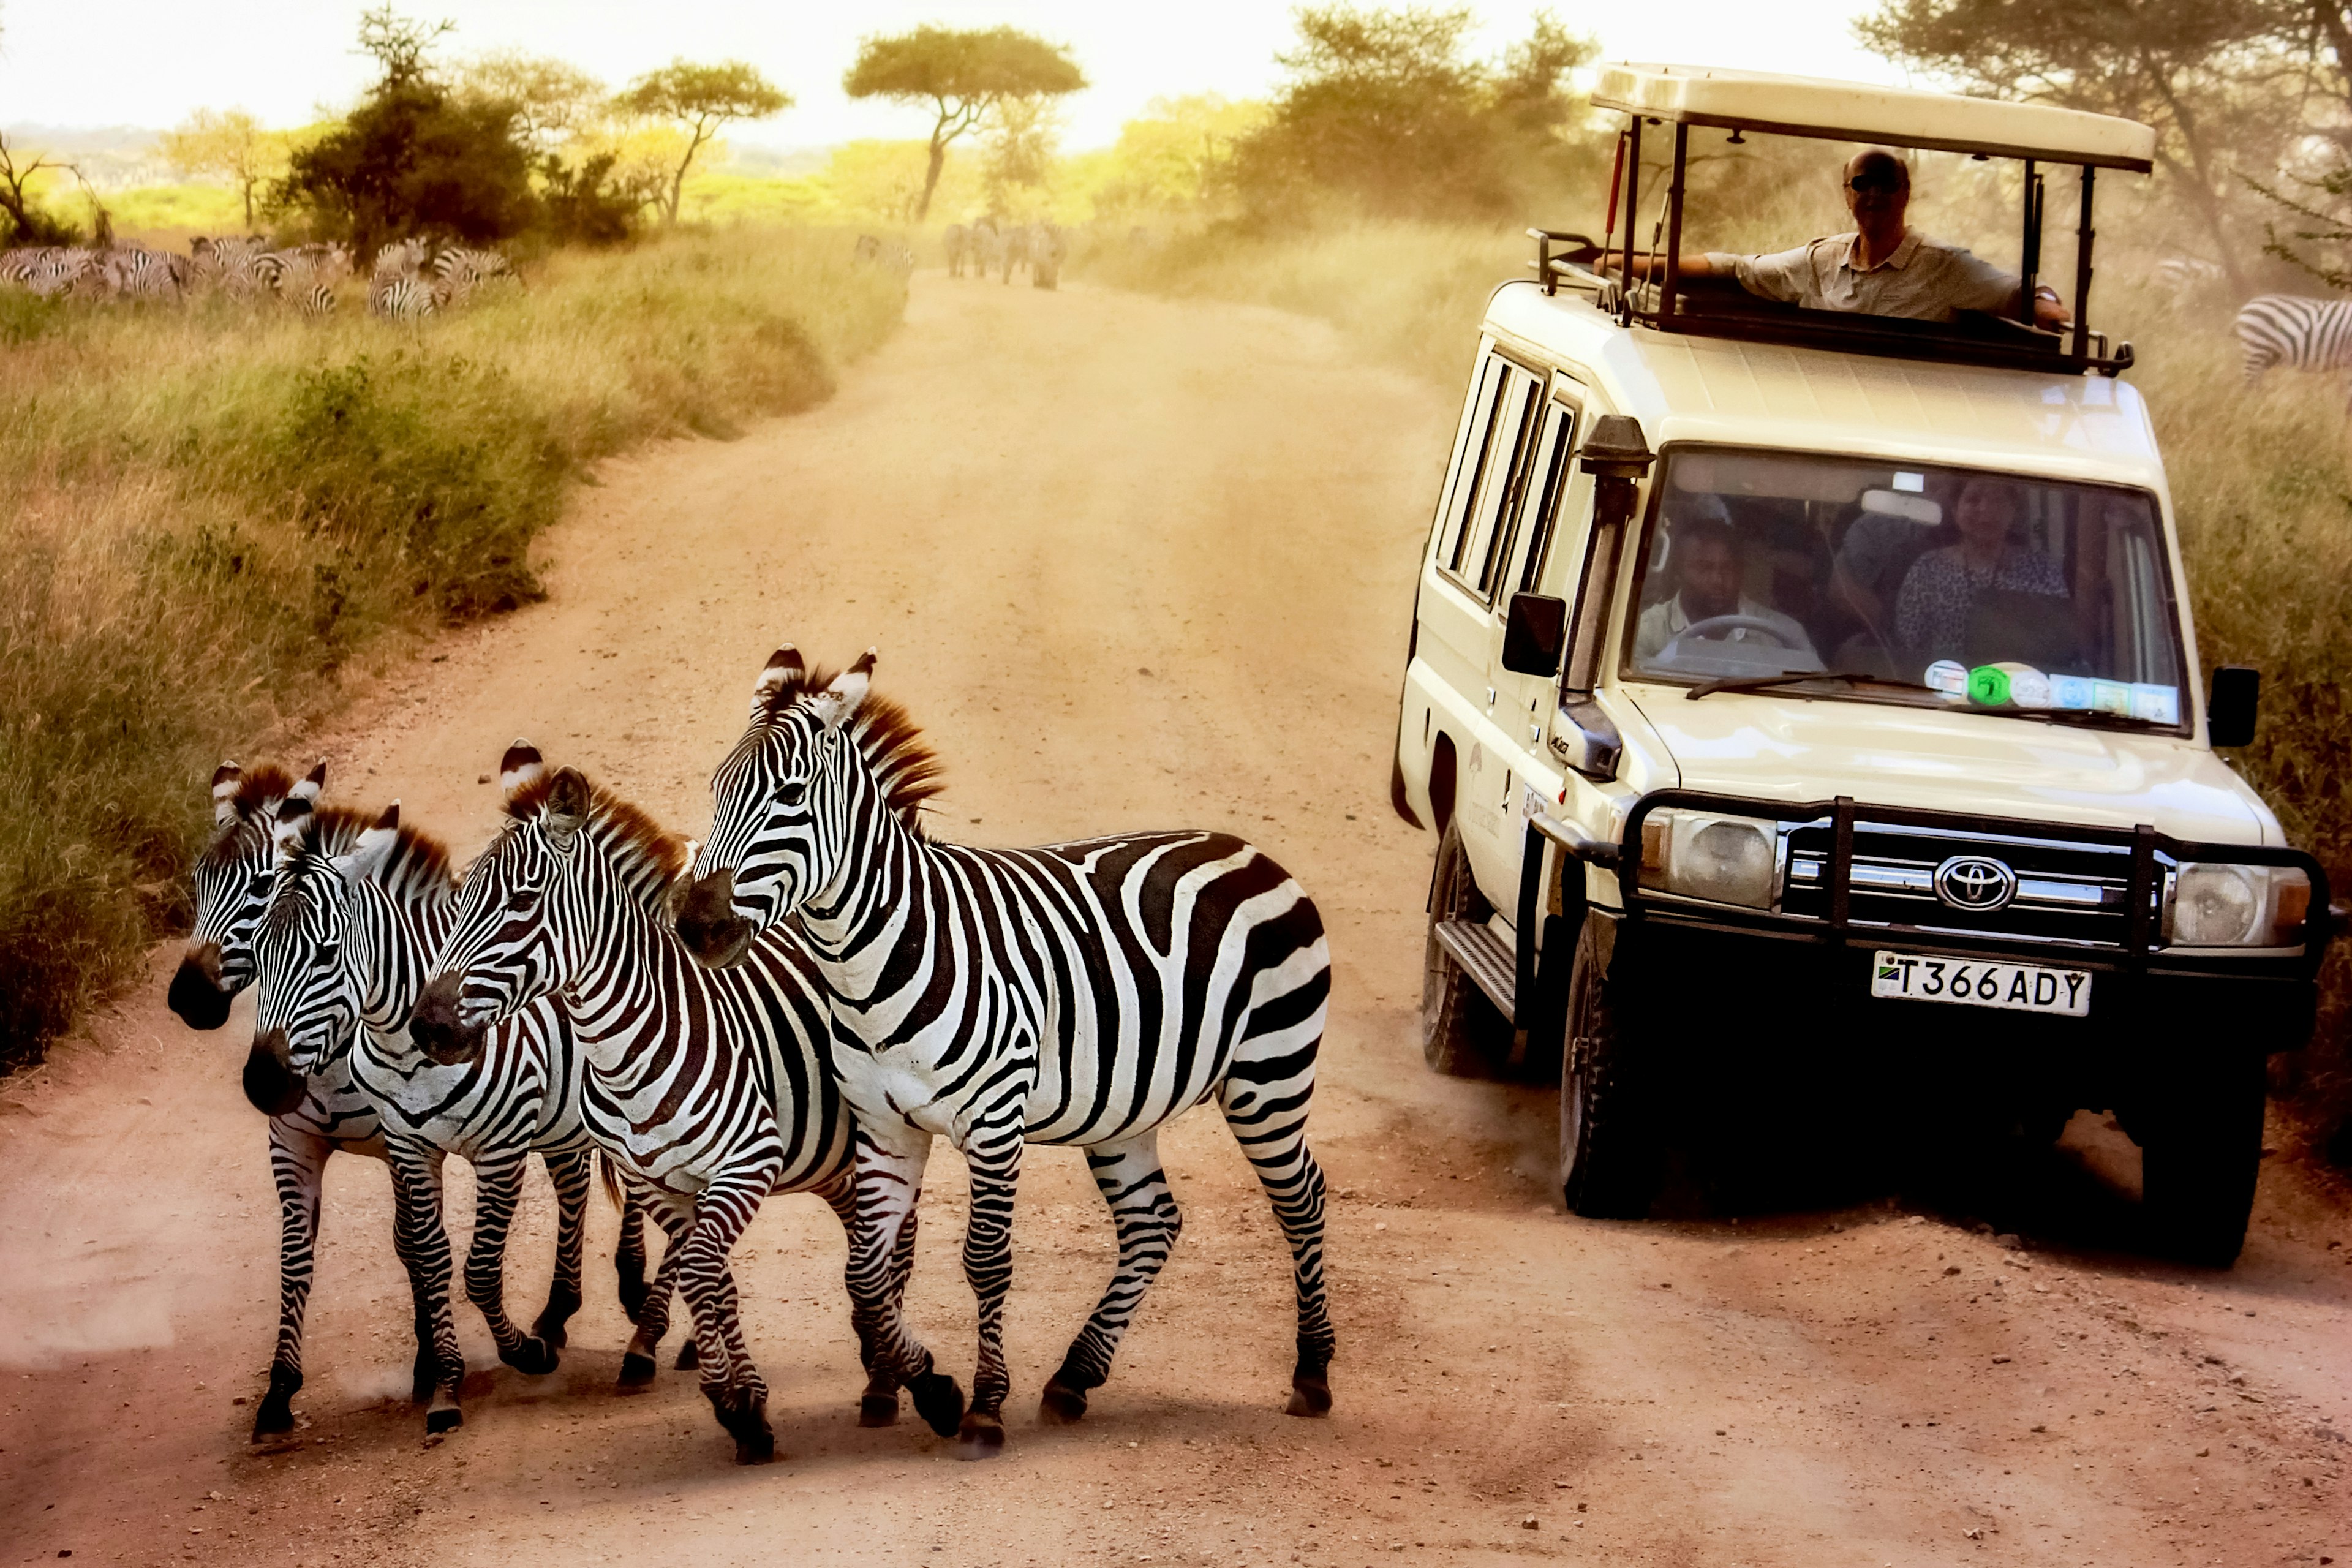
1820 682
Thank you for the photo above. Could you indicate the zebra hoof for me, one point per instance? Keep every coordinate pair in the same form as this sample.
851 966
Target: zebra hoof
636 1371
424 1378
982 1437
938 1402
275 1416
690 1356
1061 1404
533 1357
1310 1395
562 1304
877 1409
444 1417
755 1447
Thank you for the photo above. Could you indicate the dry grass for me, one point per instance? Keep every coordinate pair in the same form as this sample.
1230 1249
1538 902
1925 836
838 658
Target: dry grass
213 513
2261 483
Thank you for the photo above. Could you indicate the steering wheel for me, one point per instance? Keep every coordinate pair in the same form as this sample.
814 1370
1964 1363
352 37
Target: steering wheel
1716 627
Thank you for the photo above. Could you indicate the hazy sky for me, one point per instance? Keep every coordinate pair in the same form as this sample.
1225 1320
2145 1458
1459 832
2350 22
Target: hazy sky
149 62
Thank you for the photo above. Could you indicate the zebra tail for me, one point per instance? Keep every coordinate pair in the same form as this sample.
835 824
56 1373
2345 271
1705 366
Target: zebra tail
607 1174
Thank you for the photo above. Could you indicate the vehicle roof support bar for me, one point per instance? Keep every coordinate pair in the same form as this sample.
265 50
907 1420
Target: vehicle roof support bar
2029 271
1674 226
2083 237
1632 207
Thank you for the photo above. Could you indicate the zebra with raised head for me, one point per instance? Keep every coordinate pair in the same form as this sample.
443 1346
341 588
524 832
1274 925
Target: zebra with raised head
712 1090
1082 995
314 1118
2293 330
339 957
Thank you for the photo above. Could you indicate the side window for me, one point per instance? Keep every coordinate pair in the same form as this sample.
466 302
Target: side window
1483 541
1469 461
1545 485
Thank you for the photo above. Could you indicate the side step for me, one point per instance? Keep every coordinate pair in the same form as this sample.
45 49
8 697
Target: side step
1486 958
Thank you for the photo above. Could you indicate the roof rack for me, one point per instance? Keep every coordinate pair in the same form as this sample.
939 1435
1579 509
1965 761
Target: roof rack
1801 106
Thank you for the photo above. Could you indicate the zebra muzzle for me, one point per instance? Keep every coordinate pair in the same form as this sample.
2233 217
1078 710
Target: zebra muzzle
438 1025
271 1084
197 994
709 925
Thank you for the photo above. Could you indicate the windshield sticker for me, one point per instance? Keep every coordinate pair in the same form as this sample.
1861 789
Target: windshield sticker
1948 675
2156 704
2071 693
1915 483
2017 685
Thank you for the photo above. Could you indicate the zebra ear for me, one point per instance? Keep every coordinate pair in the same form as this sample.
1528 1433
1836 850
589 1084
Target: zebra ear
784 670
520 768
226 779
368 856
313 783
567 807
291 824
836 702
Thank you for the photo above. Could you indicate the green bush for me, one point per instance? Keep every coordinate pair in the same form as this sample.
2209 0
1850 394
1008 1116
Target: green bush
214 515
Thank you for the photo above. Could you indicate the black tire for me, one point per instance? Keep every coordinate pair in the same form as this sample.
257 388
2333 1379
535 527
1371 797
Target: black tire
1610 1160
2199 1158
1462 1033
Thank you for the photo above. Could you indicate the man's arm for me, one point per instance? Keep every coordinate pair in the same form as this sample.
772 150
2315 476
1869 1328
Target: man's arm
1985 287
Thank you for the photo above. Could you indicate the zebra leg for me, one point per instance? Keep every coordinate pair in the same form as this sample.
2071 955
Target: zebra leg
994 1152
498 1185
889 1181
637 1366
423 1246
629 1256
738 1396
1132 1182
878 1406
1265 1098
297 1163
569 1174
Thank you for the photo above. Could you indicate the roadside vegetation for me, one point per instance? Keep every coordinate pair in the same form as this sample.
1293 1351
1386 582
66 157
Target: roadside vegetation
216 516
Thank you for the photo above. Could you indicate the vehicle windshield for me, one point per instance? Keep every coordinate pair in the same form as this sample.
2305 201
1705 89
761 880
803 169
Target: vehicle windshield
1920 585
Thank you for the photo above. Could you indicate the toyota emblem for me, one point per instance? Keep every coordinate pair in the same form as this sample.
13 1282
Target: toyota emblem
1976 883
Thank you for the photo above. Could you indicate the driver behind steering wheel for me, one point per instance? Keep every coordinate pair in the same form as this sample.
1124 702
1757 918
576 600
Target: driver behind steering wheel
1708 558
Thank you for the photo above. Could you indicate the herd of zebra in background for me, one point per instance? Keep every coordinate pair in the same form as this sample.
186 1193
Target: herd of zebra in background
985 246
409 279
802 1005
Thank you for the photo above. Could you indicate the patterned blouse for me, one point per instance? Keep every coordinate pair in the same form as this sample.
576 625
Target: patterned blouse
1931 614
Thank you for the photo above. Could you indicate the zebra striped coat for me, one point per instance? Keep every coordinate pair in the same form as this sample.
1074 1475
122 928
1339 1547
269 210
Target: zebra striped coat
713 1091
2291 331
339 957
1081 993
310 1119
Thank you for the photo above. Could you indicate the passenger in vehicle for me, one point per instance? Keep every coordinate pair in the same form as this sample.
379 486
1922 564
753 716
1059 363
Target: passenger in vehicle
1943 589
1708 560
1882 268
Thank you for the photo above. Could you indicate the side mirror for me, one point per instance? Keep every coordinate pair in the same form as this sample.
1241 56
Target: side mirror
2229 710
1533 635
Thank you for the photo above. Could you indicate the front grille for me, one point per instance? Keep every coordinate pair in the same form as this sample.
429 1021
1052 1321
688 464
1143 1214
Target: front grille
2072 893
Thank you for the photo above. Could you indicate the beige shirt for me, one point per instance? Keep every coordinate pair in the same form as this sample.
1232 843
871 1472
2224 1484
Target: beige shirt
1922 278
1666 620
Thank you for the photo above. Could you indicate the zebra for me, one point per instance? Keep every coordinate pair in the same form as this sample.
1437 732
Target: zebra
310 1118
711 1090
1013 249
1047 250
340 955
402 297
132 271
1080 994
958 244
2178 276
400 258
232 264
986 246
2296 332
866 250
305 276
458 272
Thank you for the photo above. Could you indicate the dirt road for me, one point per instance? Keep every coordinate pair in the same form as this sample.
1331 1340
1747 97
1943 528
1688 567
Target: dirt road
1133 564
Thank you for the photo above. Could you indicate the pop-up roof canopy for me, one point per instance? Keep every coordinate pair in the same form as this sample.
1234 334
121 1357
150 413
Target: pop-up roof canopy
1849 112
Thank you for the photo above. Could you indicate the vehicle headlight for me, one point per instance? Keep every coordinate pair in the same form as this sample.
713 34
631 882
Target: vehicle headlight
2220 905
1724 859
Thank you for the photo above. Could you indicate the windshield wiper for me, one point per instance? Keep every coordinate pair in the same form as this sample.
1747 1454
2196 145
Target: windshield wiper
1790 677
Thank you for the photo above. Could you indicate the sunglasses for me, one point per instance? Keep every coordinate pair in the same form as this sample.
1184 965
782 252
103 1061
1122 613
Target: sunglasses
1876 182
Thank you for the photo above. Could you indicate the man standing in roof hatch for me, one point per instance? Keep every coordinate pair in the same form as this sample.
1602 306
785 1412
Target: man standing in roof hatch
1882 268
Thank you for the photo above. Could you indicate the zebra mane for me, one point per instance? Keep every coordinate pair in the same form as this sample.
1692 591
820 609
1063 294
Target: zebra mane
266 786
418 864
649 856
902 761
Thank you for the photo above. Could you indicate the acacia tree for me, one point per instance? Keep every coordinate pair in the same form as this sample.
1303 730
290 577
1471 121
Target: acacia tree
960 75
230 146
554 101
2216 79
700 100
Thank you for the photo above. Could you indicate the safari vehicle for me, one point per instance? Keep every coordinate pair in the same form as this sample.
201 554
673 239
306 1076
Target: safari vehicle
1975 827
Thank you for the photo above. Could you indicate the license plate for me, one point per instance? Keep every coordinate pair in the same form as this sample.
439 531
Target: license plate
2019 987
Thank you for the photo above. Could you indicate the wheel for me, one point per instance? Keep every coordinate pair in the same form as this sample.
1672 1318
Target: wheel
2201 1152
1462 1033
1611 1163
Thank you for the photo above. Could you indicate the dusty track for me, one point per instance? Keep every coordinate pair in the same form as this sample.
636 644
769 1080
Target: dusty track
1133 564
